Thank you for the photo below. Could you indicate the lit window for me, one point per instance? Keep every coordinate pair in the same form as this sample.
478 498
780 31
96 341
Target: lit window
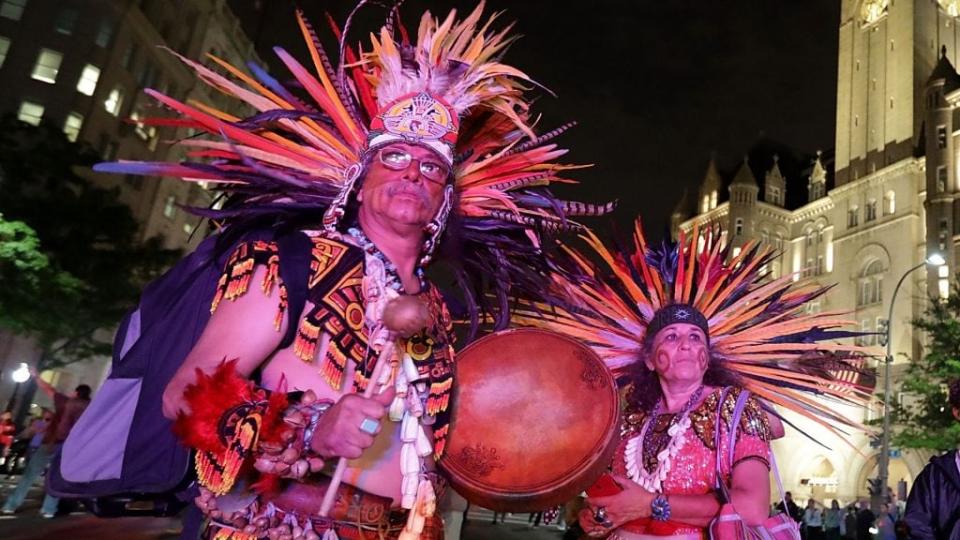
170 207
941 179
853 216
944 288
12 9
705 205
104 33
4 48
114 101
87 84
738 227
66 21
143 131
870 284
736 251
188 229
890 202
30 113
47 66
941 136
943 271
817 190
71 127
713 199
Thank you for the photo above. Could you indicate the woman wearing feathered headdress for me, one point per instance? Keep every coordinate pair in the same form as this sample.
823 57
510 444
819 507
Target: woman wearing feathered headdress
704 340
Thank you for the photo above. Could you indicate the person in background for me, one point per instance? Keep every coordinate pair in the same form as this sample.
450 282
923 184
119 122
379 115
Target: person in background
850 523
67 410
897 507
813 521
833 521
791 508
28 441
865 521
36 430
932 507
453 508
7 429
885 524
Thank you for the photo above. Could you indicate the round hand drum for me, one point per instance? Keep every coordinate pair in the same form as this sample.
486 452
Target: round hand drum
535 420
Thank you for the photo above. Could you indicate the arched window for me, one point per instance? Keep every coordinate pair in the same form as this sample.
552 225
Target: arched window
705 204
870 289
890 202
738 227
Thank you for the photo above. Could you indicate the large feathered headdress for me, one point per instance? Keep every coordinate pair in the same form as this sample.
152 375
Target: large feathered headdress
759 328
444 88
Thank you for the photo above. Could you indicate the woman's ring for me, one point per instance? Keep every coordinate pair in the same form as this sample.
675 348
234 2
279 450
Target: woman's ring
600 516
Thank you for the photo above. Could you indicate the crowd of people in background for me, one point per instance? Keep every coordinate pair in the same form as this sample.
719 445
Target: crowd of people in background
856 521
44 435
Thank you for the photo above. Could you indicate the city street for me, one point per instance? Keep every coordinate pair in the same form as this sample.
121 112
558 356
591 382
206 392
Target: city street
28 525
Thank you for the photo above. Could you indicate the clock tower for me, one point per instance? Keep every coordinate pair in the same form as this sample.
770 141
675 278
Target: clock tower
887 51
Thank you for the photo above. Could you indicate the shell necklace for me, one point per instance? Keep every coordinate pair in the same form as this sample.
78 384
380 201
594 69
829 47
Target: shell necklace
633 453
392 279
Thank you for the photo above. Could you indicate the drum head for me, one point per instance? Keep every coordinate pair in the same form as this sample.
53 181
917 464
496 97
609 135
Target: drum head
535 420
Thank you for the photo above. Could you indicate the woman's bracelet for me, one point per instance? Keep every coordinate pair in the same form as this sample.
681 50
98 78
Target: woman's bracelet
660 508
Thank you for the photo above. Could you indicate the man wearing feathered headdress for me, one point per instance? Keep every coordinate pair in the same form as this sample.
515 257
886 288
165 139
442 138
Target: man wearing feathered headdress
419 141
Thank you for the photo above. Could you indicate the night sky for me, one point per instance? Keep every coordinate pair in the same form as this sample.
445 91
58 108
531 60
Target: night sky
655 86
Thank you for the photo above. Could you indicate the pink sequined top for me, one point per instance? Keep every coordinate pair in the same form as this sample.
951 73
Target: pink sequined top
693 470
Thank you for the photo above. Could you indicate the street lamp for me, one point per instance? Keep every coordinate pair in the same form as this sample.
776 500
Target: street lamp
19 376
883 464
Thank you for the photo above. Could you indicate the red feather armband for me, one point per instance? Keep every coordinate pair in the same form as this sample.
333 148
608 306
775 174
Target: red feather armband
228 416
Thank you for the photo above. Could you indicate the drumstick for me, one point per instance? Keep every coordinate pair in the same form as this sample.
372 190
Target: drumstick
385 355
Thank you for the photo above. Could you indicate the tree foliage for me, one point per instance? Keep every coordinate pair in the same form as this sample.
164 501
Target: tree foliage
69 249
928 421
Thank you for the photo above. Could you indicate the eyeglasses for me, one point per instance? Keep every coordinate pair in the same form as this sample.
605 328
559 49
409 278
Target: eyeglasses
398 160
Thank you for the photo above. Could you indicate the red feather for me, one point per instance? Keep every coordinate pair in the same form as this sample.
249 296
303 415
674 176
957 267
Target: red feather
268 483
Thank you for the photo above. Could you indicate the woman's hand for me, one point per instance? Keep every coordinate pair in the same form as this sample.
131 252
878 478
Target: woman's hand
630 504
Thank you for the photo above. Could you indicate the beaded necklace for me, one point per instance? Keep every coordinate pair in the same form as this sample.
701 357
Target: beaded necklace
633 453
